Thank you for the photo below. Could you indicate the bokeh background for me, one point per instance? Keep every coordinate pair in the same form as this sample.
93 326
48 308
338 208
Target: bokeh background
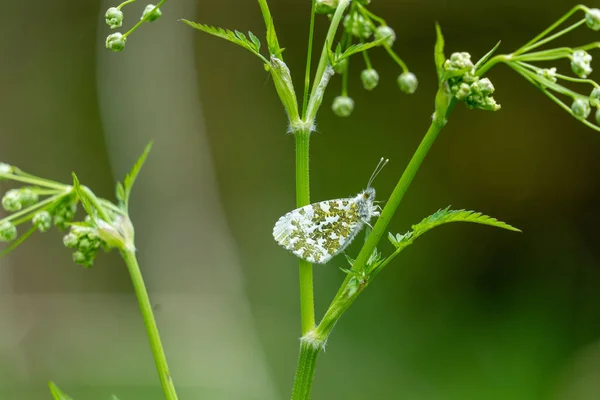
468 312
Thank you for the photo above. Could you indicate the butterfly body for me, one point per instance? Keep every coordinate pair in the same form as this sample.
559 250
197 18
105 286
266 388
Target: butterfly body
319 231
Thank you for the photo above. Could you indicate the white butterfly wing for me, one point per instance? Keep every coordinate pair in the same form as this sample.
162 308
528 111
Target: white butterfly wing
319 231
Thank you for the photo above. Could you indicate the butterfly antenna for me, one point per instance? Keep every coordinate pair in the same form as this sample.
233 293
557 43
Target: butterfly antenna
378 168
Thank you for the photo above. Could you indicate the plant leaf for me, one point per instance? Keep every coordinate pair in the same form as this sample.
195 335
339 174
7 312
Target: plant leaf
233 36
83 197
123 191
359 47
445 216
487 56
57 393
255 40
439 56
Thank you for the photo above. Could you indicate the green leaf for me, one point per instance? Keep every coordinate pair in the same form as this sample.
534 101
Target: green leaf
439 56
255 40
487 56
233 36
132 175
83 197
445 216
359 47
350 260
57 393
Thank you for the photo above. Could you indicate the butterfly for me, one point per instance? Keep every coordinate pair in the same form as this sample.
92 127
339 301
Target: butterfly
320 231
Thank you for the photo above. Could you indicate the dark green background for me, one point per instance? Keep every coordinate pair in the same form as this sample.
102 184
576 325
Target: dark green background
468 312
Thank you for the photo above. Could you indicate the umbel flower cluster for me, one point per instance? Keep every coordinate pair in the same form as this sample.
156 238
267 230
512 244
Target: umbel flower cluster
42 204
363 30
114 19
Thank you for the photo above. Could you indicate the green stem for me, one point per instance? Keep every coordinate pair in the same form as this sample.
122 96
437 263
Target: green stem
311 35
307 302
552 27
305 373
555 36
149 321
342 300
140 22
124 4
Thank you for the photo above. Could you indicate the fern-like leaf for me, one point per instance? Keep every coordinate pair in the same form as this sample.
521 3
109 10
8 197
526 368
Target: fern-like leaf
445 216
237 37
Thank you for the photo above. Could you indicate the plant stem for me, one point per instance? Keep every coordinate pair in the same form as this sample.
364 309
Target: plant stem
305 373
311 34
307 302
140 22
151 328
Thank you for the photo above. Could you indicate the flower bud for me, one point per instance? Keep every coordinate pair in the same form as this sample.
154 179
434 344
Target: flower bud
548 73
408 82
42 221
341 66
152 14
8 232
114 17
458 61
595 97
16 199
370 78
343 106
358 26
592 18
326 6
461 91
5 168
483 86
581 108
70 240
384 31
580 63
83 259
115 42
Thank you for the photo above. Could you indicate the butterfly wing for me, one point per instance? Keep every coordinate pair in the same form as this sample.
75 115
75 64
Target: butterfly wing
319 231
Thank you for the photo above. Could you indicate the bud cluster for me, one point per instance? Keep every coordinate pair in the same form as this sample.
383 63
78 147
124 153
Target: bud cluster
85 242
466 86
114 19
362 25
15 199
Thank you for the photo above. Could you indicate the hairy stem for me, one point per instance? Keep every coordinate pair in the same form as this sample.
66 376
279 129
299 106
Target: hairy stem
305 373
151 328
307 302
311 35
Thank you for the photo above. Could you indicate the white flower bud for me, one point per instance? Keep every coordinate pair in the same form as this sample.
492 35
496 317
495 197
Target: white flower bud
408 82
152 15
595 97
370 78
326 6
548 73
581 108
461 91
5 168
458 61
343 106
8 232
384 31
116 41
114 17
42 221
580 63
592 18
483 86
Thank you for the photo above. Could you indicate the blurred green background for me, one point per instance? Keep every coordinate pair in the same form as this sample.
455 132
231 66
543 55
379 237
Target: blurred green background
468 312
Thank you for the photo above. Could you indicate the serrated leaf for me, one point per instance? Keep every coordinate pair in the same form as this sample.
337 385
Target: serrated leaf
487 56
57 393
359 47
83 197
234 37
255 40
439 56
445 216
